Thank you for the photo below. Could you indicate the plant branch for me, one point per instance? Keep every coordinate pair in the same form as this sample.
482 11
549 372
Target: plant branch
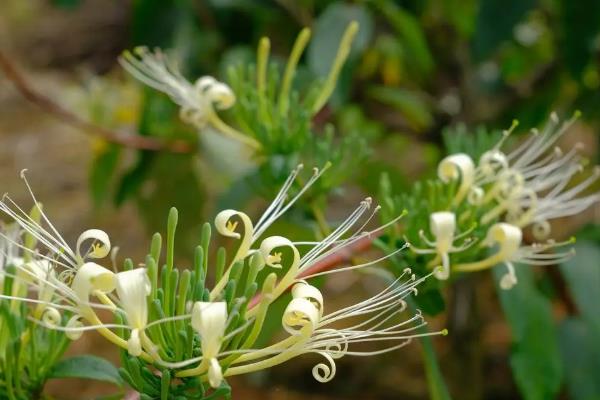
49 106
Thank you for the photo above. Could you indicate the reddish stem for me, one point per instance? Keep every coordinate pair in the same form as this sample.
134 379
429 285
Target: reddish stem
52 108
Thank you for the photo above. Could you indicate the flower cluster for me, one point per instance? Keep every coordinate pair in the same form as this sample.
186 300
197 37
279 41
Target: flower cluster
169 319
507 193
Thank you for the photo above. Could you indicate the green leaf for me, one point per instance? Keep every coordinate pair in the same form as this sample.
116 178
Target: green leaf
328 31
435 380
535 359
581 354
582 274
87 367
495 23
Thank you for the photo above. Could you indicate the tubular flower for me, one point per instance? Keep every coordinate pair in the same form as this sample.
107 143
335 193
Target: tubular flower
508 192
531 185
508 240
133 287
197 101
373 320
443 227
210 321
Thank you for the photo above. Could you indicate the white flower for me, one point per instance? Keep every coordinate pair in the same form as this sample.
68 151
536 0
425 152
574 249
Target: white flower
197 101
443 227
508 239
209 319
531 185
372 320
458 167
133 287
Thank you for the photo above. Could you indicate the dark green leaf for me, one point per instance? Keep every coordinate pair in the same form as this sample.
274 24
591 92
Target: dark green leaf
581 24
535 358
328 31
87 367
495 23
582 274
581 354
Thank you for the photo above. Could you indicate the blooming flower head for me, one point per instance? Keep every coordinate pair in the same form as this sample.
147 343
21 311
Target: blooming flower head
211 333
197 101
507 192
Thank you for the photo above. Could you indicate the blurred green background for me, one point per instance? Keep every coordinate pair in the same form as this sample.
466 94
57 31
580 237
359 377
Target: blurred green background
417 69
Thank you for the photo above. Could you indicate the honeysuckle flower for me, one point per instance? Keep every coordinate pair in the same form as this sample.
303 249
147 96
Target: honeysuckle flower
443 226
133 288
528 186
458 167
331 335
508 240
198 101
209 319
532 184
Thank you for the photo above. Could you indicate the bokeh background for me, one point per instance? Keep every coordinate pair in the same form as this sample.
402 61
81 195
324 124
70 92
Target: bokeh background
418 68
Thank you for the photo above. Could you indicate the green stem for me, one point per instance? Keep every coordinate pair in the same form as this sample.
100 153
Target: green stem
336 67
290 69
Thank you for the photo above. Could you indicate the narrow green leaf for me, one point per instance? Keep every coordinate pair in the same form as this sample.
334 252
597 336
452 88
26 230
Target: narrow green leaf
582 274
535 359
87 367
581 354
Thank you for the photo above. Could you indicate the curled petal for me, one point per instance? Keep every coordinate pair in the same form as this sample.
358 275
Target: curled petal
324 372
221 96
336 347
133 287
492 162
506 235
204 83
100 246
209 319
458 166
274 259
541 230
475 196
74 323
215 373
226 227
511 183
301 317
51 317
303 290
91 277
